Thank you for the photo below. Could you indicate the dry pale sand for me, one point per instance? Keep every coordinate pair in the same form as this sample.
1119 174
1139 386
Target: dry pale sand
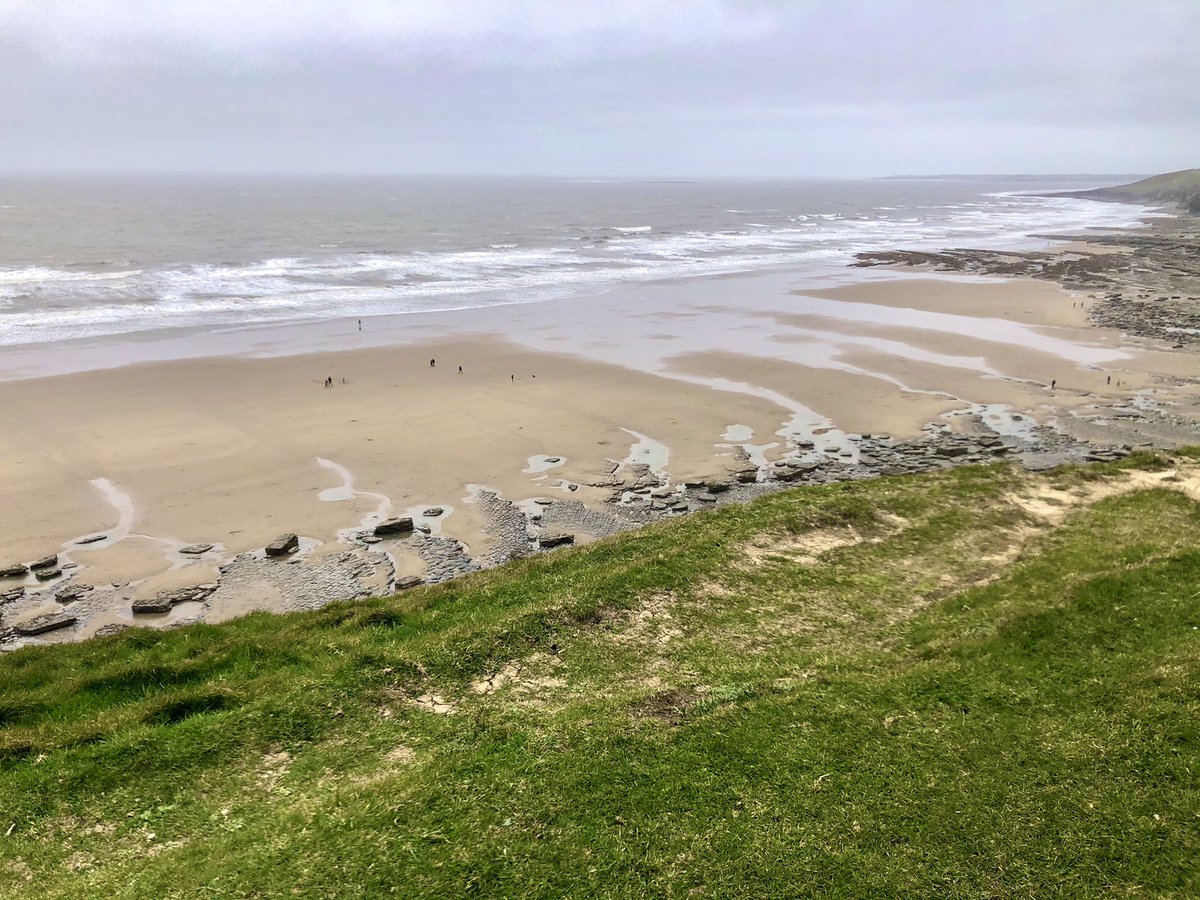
224 450
227 450
1021 300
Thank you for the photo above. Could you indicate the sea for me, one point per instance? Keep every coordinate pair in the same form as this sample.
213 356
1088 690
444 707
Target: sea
90 256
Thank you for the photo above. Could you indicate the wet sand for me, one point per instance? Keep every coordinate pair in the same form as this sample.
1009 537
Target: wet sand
234 450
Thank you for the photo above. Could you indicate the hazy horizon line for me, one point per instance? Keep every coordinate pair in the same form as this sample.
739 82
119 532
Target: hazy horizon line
585 177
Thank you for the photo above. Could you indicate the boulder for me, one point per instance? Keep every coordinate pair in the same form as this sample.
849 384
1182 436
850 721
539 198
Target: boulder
283 545
795 469
555 539
8 595
12 571
158 604
91 539
408 582
161 603
46 562
746 476
72 592
401 525
50 621
47 574
195 549
433 512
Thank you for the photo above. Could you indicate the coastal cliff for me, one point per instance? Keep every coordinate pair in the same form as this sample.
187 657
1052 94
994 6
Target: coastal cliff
1181 188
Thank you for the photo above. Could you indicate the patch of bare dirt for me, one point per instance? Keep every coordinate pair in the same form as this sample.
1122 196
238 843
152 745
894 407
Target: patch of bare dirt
529 676
651 623
273 766
803 549
434 703
667 706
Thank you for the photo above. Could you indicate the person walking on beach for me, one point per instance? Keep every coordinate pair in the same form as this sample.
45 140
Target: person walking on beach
360 324
1053 382
1108 380
432 363
460 370
329 381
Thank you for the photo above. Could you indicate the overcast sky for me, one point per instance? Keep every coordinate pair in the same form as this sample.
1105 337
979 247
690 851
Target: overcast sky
601 87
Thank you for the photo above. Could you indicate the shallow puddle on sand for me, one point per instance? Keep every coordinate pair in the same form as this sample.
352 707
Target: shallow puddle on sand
434 523
647 451
346 491
739 437
738 433
1002 419
539 463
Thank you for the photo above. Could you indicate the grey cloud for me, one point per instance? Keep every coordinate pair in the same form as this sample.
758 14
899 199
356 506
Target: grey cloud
652 87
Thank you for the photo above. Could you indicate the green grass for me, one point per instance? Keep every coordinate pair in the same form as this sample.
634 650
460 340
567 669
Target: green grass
907 687
1179 186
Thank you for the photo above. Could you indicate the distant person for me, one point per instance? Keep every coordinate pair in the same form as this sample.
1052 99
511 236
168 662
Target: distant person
1108 380
329 381
360 324
1053 382
432 363
460 370
512 377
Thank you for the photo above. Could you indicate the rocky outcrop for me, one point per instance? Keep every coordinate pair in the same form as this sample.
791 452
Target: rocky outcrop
555 539
51 621
162 602
46 562
283 545
195 549
14 570
444 558
73 592
394 526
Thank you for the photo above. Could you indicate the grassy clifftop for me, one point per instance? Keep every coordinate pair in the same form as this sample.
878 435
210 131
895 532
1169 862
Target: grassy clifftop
978 683
1173 187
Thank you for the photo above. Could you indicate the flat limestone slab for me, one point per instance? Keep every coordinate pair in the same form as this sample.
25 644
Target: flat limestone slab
50 621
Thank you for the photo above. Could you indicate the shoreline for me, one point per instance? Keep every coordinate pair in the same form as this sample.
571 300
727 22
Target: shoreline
568 423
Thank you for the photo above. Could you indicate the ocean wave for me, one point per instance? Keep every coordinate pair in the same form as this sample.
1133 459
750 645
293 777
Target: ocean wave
42 303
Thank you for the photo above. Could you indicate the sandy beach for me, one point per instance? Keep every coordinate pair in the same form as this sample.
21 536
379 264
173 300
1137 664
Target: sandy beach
239 439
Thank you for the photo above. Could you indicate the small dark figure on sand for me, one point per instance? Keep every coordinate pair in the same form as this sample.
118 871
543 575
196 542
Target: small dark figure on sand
512 377
432 363
360 324
1108 380
460 370
329 381
1053 382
